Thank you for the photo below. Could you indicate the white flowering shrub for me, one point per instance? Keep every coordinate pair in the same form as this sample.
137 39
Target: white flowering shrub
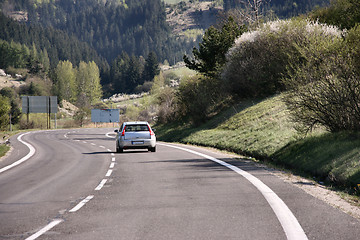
317 64
260 60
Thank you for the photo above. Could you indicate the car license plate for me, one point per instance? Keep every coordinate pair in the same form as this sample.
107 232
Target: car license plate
137 142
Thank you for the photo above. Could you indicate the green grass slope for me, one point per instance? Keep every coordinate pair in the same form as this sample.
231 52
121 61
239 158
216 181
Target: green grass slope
262 129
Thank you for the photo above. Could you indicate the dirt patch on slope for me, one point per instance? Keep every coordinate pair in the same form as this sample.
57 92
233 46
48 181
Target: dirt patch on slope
10 82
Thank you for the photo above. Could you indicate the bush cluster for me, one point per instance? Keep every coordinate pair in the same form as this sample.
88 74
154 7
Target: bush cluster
325 89
316 63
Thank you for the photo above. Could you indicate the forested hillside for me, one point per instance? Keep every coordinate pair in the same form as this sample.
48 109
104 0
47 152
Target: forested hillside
120 36
56 43
111 27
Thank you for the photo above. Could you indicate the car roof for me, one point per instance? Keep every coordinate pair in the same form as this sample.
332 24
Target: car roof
129 123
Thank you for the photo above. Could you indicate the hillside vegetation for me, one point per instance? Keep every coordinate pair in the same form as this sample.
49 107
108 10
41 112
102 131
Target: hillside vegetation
312 69
136 27
282 90
262 129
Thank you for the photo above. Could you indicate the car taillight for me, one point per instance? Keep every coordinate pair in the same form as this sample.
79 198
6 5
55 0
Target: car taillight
123 132
151 132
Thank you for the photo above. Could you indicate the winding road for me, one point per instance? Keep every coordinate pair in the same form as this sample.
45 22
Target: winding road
70 184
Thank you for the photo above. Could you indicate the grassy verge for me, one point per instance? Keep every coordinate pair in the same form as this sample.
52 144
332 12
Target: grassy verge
256 128
262 129
3 149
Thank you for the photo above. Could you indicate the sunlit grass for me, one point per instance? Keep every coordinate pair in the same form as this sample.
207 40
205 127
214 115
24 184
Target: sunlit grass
257 129
263 129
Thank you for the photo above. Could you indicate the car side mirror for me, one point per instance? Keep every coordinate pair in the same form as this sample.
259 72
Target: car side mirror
116 130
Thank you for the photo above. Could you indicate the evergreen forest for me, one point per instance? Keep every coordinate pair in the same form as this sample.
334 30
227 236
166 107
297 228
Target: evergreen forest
136 27
121 37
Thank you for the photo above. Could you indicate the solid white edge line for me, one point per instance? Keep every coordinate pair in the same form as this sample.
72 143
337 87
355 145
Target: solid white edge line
109 133
109 172
288 221
100 186
45 229
29 155
81 204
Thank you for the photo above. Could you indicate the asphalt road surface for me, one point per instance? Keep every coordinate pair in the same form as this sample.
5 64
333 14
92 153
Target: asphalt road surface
70 184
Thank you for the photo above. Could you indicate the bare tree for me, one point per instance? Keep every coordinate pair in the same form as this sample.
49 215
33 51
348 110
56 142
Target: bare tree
251 10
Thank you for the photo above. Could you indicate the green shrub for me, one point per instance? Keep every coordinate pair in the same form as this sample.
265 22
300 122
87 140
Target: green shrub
261 59
4 112
342 13
199 98
325 90
167 102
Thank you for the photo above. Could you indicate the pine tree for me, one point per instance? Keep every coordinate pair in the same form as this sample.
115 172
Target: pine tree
151 68
210 57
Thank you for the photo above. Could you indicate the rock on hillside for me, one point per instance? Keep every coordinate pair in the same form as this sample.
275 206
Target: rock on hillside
196 15
6 80
68 108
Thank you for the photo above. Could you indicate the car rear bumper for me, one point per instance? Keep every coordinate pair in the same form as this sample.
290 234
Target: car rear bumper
137 144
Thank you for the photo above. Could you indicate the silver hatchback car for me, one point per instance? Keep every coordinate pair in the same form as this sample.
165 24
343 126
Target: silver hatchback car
135 135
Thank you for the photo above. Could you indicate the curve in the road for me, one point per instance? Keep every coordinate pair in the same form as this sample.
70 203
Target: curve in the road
74 209
288 221
29 155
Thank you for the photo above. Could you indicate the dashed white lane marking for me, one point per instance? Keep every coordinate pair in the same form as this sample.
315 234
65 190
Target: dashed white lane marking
100 186
81 204
288 221
29 155
45 229
109 172
112 165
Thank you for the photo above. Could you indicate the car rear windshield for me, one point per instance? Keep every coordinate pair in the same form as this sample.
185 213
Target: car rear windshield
137 128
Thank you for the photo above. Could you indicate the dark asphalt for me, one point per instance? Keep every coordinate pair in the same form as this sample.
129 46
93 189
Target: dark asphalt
170 194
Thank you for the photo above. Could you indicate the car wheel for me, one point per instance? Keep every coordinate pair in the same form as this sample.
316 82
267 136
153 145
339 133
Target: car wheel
119 150
152 149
